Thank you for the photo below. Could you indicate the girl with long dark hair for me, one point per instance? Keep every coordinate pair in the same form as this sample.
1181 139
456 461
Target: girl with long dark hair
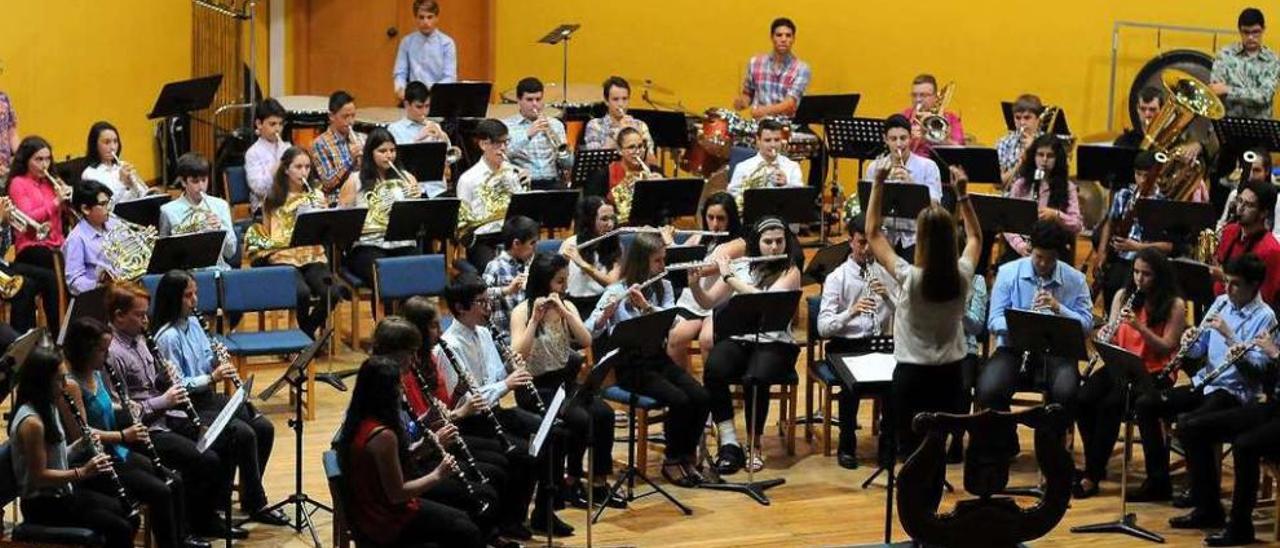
719 214
594 268
385 182
1042 178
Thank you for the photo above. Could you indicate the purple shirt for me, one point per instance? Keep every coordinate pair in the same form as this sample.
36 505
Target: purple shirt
135 364
85 261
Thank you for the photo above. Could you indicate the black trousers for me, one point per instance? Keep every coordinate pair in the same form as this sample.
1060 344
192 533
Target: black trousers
1202 434
146 485
1154 407
247 441
657 377
317 292
919 388
85 508
1002 376
36 265
206 482
522 470
1248 449
1100 413
756 366
438 524
581 413
481 507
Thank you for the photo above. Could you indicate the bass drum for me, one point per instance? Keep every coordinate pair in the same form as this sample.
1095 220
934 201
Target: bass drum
1195 63
1093 203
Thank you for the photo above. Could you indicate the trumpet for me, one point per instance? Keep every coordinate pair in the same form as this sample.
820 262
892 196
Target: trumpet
464 376
63 190
561 148
97 449
134 179
22 222
691 265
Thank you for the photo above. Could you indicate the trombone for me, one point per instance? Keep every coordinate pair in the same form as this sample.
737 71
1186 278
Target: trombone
59 186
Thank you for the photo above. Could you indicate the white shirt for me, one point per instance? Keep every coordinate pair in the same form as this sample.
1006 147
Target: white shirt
260 163
923 171
109 174
790 169
928 333
844 287
745 273
469 192
581 284
174 212
473 346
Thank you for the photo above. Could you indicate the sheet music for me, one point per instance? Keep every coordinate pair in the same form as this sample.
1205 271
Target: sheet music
224 416
873 367
553 410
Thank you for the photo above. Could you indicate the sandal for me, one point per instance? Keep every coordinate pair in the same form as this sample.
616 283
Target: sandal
729 459
755 463
670 467
691 472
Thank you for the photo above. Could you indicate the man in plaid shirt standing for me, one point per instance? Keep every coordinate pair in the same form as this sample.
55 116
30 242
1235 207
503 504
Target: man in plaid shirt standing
775 82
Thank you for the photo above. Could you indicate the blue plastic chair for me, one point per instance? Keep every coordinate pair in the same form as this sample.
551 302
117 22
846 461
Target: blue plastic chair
235 185
645 406
28 533
550 245
398 278
736 156
263 289
206 290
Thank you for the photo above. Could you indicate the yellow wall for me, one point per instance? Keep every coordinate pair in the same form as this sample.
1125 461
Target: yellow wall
992 49
70 63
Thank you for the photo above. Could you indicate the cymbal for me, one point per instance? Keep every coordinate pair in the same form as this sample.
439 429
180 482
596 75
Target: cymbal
648 83
579 94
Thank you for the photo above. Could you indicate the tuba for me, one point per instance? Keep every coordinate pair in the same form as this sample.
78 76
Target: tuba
1188 98
934 124
127 248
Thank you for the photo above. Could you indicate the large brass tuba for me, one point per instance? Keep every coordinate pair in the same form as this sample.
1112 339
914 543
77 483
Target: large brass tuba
127 248
1187 98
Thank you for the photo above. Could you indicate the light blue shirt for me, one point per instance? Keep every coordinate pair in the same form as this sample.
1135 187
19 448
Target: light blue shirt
474 348
427 58
1246 322
1016 285
174 212
185 343
536 154
625 311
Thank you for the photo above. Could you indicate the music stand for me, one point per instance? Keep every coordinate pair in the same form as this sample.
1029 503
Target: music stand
454 100
898 200
586 391
424 220
295 377
1105 164
658 201
16 355
1243 133
185 96
144 211
668 129
1046 334
1131 366
1196 282
825 261
1173 221
858 139
561 34
424 160
1059 125
792 204
551 208
981 164
750 314
333 229
817 109
91 303
1001 214
186 252
639 336
587 162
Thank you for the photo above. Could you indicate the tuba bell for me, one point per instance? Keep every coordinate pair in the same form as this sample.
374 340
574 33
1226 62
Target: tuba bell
933 123
1188 98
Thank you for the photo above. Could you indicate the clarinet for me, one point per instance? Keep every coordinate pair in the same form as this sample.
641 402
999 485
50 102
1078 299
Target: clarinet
1165 376
1234 356
438 408
464 376
176 379
96 446
223 357
1106 335
1042 286
512 360
427 434
123 392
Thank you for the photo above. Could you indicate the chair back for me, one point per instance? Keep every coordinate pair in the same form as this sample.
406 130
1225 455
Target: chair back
338 494
737 155
235 184
550 245
206 289
396 278
259 289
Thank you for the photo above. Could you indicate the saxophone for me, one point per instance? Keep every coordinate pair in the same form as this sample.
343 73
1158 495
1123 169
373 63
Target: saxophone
127 248
260 242
625 191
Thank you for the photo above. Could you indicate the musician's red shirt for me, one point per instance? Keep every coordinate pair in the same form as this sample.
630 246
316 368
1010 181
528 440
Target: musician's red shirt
1264 245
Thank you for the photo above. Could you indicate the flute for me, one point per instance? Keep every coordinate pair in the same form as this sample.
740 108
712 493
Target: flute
96 445
648 230
617 297
741 260
465 376
427 434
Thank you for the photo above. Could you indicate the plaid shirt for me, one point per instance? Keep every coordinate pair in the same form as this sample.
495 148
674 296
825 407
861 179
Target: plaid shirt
1252 79
602 132
536 154
8 120
769 82
498 275
332 155
1120 208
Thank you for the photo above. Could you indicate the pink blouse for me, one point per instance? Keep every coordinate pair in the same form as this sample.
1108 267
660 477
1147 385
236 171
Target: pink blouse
1069 218
36 199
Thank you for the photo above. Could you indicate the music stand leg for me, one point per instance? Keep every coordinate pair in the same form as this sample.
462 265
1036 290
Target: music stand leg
752 488
303 505
1128 522
631 473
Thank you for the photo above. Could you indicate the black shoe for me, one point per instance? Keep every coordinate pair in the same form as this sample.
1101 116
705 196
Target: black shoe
516 531
503 543
1183 500
1080 491
558 528
1232 536
195 542
218 529
575 495
1198 520
675 474
270 517
602 496
1151 491
730 459
848 461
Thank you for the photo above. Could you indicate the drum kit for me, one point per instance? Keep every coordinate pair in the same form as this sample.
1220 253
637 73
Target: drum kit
720 129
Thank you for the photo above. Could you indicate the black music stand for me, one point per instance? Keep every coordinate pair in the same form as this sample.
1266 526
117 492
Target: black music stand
333 229
792 204
1047 334
424 160
898 200
587 162
1000 214
454 100
817 109
561 35
186 252
1196 282
1173 221
825 261
1059 125
185 96
551 208
586 391
858 139
91 303
639 336
1131 367
659 201
144 211
295 377
750 314
668 129
981 164
424 220
1105 164
1244 133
